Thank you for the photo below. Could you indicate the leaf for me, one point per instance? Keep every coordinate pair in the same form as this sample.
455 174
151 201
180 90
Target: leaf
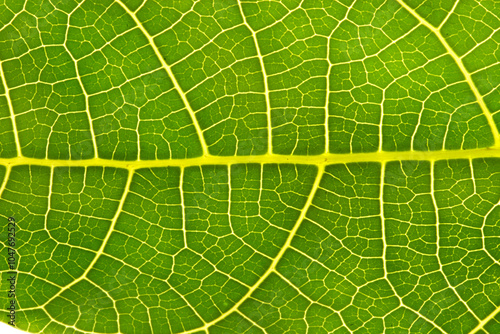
251 166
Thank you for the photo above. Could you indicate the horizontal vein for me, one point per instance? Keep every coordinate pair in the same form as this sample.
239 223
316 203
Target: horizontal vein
320 160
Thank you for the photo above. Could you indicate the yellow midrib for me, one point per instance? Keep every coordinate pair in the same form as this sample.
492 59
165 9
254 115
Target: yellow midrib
319 160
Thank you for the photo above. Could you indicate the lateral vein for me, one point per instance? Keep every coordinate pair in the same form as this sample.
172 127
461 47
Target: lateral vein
460 64
485 321
264 77
272 267
11 110
171 75
104 242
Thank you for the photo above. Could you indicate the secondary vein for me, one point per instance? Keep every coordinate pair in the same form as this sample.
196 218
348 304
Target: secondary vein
171 75
272 267
461 66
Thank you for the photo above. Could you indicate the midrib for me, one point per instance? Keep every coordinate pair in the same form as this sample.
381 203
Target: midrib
320 160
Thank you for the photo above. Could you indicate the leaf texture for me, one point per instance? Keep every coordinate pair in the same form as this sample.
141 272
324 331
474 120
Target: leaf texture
224 166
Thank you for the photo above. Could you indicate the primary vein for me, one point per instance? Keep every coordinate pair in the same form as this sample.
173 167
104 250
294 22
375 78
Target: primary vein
319 160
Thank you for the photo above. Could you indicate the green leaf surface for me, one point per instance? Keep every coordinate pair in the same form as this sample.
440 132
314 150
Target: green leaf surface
251 166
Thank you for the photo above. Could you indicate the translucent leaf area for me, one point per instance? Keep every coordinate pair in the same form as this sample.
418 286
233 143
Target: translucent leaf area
251 166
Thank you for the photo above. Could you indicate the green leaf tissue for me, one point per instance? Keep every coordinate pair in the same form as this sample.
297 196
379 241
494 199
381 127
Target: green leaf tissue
250 166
